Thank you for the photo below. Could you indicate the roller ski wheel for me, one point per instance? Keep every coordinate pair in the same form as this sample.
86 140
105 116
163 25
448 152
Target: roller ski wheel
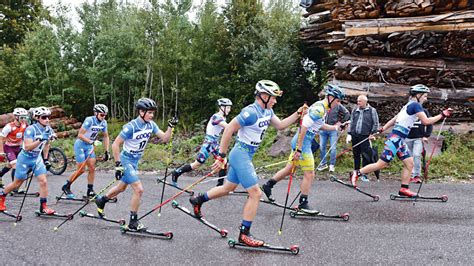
294 249
332 178
345 217
222 232
376 198
444 198
293 214
393 196
19 218
82 213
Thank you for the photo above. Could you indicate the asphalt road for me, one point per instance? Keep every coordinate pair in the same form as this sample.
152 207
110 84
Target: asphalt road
384 232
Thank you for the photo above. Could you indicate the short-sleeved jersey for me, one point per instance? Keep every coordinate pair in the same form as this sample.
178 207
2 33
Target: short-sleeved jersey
136 134
93 126
213 129
406 118
313 120
35 132
253 120
13 134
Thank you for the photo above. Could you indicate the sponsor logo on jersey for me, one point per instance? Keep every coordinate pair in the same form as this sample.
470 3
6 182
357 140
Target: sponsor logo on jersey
143 135
264 123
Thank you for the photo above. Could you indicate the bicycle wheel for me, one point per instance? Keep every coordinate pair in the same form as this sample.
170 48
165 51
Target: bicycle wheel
58 161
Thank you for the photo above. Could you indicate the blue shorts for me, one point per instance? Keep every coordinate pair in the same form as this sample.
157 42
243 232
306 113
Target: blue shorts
241 170
207 149
130 166
395 145
82 150
25 163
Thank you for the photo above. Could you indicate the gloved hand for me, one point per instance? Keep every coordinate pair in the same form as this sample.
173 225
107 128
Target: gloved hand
343 126
106 156
96 143
220 162
297 155
173 122
3 157
348 138
45 136
47 164
119 170
303 110
447 113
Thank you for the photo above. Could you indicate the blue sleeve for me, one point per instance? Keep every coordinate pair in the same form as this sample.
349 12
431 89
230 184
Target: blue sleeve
414 108
316 112
29 133
155 128
105 126
127 131
247 117
87 123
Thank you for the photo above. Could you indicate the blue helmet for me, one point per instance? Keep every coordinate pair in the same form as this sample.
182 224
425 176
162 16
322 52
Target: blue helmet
335 91
145 104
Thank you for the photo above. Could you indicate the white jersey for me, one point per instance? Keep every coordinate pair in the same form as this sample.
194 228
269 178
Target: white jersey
136 134
253 121
93 126
406 118
213 129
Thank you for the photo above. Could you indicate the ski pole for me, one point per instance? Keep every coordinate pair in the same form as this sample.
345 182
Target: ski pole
77 173
24 196
425 174
170 147
359 143
55 229
287 195
175 195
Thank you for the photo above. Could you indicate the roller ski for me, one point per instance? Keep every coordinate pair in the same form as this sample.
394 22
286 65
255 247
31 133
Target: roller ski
143 231
21 193
52 214
17 218
175 185
223 233
335 179
317 214
406 194
276 204
101 217
247 241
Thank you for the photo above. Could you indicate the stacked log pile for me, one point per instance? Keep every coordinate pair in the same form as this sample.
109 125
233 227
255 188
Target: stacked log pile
63 125
384 47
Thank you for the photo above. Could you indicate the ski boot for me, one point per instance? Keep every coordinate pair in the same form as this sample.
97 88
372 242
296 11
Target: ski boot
407 193
354 176
304 207
415 179
100 202
45 210
2 203
135 225
197 203
248 239
174 177
1 183
267 190
90 194
67 190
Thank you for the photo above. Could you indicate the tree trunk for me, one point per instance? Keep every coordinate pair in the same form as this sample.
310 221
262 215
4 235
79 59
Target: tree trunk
49 81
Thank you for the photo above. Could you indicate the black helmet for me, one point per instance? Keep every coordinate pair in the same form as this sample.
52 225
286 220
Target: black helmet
100 108
145 104
419 88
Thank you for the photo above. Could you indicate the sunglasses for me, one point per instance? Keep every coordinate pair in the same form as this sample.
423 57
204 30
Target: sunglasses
102 114
44 117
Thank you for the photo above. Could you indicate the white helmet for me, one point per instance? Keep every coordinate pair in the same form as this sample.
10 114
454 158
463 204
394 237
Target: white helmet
224 102
101 108
20 112
269 87
41 111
